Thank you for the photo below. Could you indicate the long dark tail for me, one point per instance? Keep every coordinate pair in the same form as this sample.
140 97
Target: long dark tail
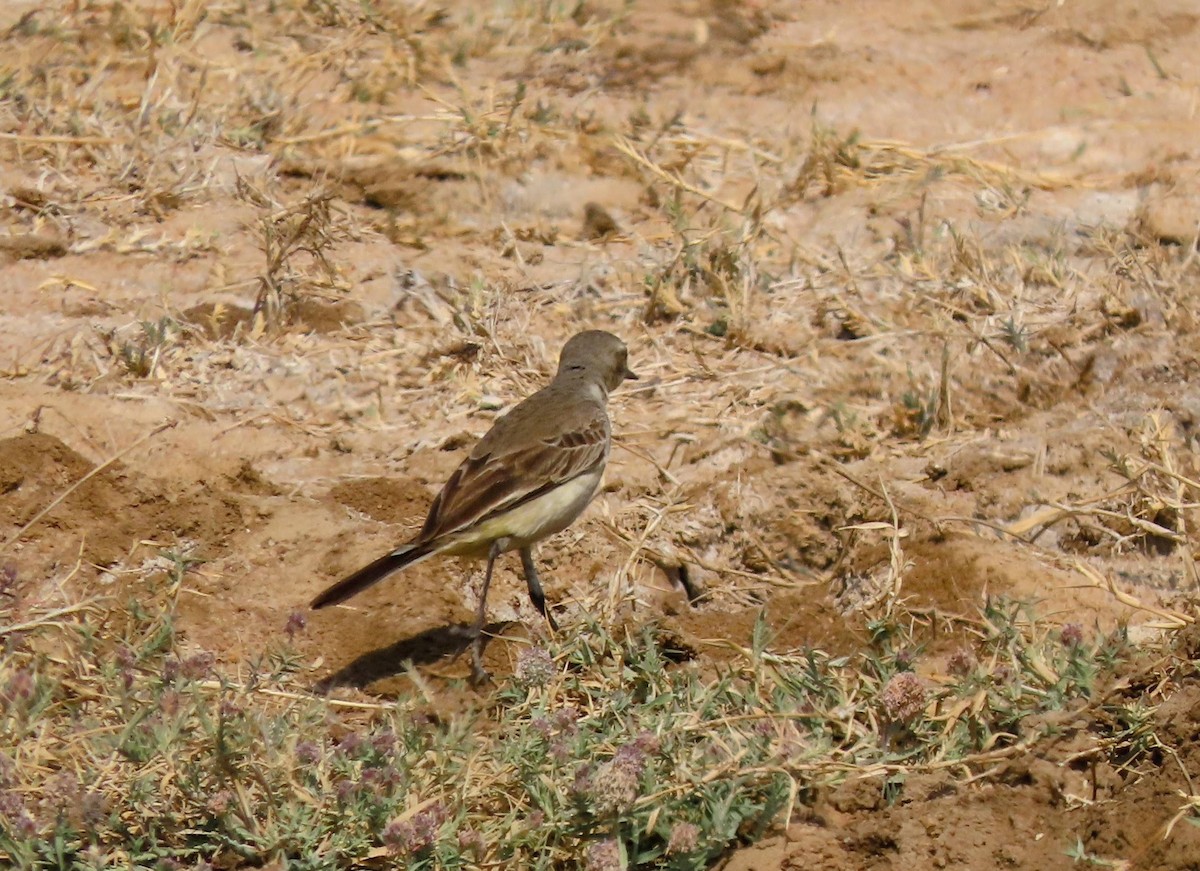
371 574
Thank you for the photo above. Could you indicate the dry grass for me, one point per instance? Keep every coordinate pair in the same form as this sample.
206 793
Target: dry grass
158 755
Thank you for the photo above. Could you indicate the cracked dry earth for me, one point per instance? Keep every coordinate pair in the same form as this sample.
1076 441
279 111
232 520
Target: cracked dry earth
924 267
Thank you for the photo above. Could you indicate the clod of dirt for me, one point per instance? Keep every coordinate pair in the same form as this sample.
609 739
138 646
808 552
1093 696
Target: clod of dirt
385 499
324 317
738 23
597 222
247 479
217 320
858 795
795 621
1173 219
32 246
103 518
220 321
388 183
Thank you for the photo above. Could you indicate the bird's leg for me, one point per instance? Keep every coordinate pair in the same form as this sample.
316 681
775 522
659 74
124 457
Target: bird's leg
478 675
535 586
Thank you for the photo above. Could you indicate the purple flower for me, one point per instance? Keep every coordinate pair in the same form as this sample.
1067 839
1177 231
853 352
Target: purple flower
345 789
381 781
64 798
297 622
384 743
350 744
11 805
584 776
685 837
219 803
535 666
93 809
961 662
631 758
390 777
567 719
470 841
169 703
25 827
20 687
1071 635
647 742
417 833
603 856
125 657
308 752
12 809
616 783
197 666
903 698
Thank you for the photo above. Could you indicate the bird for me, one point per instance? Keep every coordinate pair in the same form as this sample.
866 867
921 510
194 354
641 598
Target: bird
529 477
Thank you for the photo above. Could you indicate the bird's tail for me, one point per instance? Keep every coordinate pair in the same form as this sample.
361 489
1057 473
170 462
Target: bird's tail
372 573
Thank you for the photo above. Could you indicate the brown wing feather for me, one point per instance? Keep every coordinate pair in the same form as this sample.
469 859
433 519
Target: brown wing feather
487 482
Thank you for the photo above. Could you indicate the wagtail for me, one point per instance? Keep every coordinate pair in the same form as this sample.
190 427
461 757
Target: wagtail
532 474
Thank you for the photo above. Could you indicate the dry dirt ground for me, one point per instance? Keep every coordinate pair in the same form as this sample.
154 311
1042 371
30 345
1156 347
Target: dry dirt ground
911 288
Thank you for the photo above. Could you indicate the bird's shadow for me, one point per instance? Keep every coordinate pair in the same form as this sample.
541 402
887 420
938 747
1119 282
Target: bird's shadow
432 645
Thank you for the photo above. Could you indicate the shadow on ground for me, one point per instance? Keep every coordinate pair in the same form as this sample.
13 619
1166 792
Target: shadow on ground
427 647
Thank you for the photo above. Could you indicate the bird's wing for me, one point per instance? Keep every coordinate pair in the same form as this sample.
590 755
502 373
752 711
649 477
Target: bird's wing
501 473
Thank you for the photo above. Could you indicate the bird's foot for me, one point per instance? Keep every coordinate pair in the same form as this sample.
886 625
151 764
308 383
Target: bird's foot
479 675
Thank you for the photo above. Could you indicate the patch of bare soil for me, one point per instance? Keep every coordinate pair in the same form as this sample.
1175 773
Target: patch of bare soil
1015 818
101 515
915 329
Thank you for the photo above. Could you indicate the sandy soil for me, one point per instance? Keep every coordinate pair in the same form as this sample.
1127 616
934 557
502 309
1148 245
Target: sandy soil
909 286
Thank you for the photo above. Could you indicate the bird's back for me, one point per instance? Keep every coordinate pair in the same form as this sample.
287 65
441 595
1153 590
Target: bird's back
556 434
559 410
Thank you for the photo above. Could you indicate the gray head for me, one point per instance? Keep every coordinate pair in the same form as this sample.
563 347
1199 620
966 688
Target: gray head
596 354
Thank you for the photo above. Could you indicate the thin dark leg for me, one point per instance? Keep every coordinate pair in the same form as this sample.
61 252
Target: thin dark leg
535 586
478 675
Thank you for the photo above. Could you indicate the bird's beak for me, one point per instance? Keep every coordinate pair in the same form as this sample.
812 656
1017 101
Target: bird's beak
629 375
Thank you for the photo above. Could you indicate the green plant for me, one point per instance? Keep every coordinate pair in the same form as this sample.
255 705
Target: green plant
615 744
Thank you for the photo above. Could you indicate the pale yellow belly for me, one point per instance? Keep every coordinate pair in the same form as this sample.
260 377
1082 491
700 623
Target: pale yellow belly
531 521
